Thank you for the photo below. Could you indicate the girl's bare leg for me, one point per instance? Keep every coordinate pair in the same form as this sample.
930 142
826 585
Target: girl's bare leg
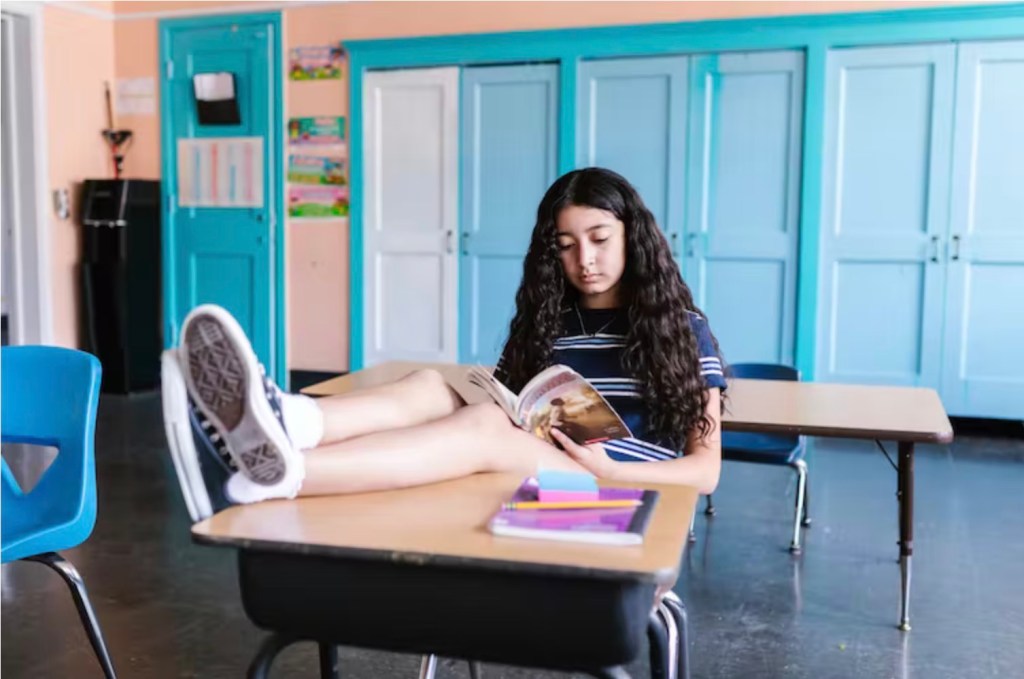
419 397
472 439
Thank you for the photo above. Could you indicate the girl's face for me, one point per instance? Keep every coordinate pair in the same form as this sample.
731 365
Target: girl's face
592 247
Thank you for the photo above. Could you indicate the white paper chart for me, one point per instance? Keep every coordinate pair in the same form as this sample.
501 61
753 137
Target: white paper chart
220 172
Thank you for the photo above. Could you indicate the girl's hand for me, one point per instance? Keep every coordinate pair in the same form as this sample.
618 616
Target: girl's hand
592 457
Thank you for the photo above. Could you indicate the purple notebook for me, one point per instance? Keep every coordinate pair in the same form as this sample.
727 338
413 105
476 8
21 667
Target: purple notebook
598 526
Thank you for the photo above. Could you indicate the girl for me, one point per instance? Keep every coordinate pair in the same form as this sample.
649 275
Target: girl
600 293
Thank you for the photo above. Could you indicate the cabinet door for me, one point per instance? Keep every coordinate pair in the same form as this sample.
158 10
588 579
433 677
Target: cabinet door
740 245
509 158
885 196
983 374
632 119
410 137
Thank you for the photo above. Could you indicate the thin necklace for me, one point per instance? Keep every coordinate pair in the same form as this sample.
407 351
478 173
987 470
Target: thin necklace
583 327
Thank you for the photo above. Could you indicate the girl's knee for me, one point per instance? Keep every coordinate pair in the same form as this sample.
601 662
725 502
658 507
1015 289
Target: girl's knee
485 419
428 378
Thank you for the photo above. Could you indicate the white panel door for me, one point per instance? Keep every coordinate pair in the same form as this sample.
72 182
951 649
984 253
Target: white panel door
411 129
885 212
982 374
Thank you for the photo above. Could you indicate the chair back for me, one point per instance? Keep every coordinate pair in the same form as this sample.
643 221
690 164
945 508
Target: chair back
764 371
764 448
49 398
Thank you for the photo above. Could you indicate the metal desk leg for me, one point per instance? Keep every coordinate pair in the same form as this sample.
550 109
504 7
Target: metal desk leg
673 606
658 641
905 494
328 661
428 666
271 646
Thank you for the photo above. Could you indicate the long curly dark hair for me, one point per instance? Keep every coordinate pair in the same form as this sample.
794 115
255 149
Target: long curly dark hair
661 350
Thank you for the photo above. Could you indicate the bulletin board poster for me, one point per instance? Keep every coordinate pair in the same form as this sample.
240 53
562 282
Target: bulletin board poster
316 130
308 200
220 172
315 63
316 170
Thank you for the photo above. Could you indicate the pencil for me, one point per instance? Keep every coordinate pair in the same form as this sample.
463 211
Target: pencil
585 504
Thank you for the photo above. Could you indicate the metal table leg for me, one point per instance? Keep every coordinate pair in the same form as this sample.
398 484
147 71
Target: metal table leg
676 618
905 495
658 642
328 661
271 646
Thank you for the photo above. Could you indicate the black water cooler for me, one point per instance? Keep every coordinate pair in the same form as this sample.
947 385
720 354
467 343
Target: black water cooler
121 280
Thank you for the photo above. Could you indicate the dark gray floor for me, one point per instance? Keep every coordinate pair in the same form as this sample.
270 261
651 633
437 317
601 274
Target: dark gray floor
171 609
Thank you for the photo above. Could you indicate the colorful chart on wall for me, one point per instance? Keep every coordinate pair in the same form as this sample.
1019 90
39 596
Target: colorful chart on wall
315 63
316 170
220 172
307 200
319 130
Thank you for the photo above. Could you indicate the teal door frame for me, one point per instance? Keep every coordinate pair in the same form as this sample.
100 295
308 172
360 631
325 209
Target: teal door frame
274 161
815 34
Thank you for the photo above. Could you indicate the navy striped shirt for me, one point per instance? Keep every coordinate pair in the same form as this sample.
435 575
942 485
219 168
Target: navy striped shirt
595 350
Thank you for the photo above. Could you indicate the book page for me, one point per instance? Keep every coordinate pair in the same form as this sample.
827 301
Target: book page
560 398
482 378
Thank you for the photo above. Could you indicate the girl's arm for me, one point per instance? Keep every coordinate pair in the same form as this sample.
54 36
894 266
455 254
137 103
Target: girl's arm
699 467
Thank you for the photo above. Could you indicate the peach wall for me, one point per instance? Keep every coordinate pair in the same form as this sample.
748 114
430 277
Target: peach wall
78 56
136 56
318 296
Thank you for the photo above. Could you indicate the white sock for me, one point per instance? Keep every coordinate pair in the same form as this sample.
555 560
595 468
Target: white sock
303 419
242 490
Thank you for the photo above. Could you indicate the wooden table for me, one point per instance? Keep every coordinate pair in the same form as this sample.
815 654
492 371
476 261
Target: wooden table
416 570
907 415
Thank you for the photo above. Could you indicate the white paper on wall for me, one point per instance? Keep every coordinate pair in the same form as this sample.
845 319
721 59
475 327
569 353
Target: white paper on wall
136 96
220 172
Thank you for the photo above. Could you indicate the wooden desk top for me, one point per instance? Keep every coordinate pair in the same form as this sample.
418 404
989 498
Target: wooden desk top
838 410
812 408
446 524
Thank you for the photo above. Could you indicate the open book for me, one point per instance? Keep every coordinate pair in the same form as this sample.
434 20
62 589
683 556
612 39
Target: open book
557 397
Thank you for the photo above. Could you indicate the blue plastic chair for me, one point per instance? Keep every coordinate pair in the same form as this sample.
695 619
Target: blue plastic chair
770 448
49 399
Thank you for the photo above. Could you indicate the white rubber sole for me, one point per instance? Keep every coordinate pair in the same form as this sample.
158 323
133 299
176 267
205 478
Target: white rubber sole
223 378
179 438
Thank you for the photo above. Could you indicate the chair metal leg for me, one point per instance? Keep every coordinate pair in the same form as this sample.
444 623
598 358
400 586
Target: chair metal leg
806 520
658 644
674 610
801 487
74 581
709 506
476 670
271 646
428 667
328 661
692 537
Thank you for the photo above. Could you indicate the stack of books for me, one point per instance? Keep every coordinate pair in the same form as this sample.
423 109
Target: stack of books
571 507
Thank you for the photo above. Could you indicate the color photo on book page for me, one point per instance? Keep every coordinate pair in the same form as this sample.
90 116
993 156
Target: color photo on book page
569 403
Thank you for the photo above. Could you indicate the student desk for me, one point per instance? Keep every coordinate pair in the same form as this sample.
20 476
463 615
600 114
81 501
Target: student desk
416 571
907 415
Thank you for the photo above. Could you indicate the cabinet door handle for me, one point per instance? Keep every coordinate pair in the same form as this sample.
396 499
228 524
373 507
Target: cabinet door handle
935 249
691 245
955 249
448 247
465 242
